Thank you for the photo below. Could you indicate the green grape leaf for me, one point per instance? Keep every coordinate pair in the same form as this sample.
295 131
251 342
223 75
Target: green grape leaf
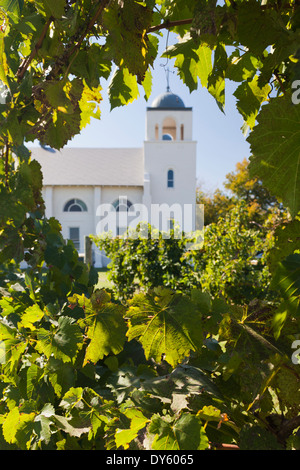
63 343
192 64
73 427
9 426
56 95
55 9
287 237
61 375
275 145
288 384
89 105
43 431
287 280
72 397
242 67
31 315
123 88
167 325
257 438
250 98
63 113
7 305
106 331
18 427
147 84
256 28
127 24
137 421
186 433
216 79
209 413
3 62
62 129
11 351
29 382
189 380
13 8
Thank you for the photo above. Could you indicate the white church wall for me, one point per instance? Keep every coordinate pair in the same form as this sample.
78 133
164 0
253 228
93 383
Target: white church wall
82 220
112 193
109 195
157 117
179 157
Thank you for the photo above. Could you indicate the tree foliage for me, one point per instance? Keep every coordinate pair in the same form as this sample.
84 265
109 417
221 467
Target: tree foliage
148 259
170 370
263 208
233 260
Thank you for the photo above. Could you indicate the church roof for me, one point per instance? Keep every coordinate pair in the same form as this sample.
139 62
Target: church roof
168 100
91 166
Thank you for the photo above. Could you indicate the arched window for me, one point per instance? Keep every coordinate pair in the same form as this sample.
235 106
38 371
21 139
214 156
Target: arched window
75 205
169 127
170 180
122 204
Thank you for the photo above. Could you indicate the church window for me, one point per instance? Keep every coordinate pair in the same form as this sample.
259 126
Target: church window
156 132
169 127
75 205
170 180
75 237
122 204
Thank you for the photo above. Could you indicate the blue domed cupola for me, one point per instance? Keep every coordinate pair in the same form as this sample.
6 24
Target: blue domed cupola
168 100
168 119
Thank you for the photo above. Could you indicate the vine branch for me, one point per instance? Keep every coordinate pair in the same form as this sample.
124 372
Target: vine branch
6 156
287 428
69 52
89 26
170 24
282 87
25 64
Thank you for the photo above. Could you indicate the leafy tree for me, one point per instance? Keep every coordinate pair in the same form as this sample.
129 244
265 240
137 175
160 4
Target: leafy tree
170 370
240 186
215 205
261 204
232 262
149 259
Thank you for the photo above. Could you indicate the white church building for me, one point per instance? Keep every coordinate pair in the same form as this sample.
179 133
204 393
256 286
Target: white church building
152 182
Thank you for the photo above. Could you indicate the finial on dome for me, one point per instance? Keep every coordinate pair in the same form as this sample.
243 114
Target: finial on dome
167 72
168 79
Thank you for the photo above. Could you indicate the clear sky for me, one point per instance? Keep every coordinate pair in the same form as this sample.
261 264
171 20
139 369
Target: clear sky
220 142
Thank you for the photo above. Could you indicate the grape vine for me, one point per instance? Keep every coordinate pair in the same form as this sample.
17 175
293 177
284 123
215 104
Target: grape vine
169 368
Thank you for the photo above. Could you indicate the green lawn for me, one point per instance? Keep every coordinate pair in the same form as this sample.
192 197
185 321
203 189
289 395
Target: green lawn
103 282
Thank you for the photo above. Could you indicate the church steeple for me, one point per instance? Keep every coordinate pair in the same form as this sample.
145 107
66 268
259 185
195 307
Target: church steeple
169 118
170 152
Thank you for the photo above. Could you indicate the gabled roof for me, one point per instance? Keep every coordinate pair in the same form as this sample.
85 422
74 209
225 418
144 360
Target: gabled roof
91 166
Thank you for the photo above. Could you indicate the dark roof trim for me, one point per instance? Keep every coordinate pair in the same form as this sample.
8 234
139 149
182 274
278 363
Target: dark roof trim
168 109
